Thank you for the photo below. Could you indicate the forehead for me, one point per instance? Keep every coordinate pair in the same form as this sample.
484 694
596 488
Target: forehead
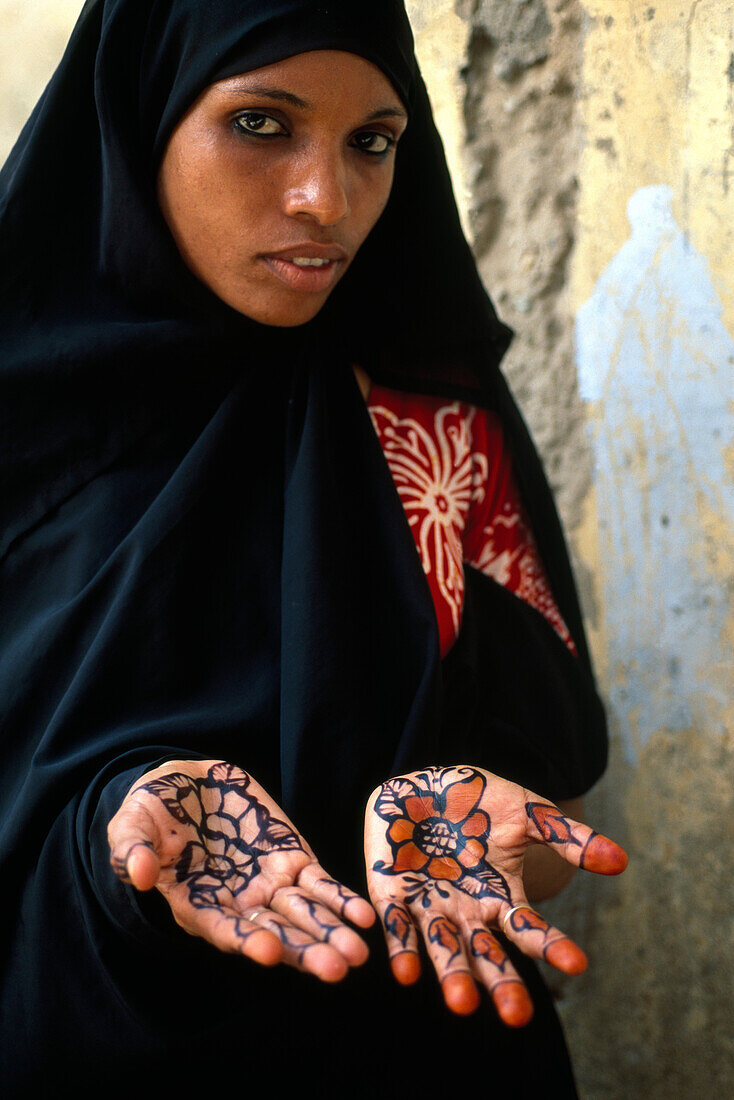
306 80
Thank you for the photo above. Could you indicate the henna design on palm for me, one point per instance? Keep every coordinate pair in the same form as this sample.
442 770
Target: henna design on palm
437 833
234 832
445 853
233 870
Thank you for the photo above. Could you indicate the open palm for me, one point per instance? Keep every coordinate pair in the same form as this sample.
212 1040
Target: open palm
234 870
444 850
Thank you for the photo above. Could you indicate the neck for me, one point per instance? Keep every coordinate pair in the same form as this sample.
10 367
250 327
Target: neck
363 381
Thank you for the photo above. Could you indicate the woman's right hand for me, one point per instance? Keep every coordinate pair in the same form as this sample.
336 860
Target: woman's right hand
234 870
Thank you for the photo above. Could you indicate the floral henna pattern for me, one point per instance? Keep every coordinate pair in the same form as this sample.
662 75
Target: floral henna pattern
234 832
554 827
438 836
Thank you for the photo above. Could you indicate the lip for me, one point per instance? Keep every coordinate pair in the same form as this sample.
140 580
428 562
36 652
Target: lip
312 249
311 280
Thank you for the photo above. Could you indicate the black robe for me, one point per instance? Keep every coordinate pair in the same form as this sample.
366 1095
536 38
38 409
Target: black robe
203 555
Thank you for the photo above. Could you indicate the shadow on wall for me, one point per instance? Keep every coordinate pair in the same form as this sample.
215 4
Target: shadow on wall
655 361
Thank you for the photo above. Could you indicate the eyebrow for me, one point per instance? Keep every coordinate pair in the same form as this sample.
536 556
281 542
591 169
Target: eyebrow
282 96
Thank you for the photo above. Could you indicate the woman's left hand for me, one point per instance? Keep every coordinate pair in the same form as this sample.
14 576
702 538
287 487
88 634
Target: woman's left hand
444 849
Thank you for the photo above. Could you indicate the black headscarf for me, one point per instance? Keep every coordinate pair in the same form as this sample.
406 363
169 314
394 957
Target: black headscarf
202 550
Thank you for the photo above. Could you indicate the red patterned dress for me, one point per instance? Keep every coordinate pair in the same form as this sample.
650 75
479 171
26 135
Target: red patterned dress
454 477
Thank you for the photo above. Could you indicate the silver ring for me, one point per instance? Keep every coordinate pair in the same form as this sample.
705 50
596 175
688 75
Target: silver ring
255 915
514 909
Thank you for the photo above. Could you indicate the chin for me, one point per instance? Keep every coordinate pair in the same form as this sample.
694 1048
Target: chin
289 322
285 315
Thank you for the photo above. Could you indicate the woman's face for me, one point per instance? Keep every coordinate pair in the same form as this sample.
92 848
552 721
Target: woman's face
273 179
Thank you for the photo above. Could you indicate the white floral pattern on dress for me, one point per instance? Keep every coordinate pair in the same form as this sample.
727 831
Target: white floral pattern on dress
439 459
509 556
437 478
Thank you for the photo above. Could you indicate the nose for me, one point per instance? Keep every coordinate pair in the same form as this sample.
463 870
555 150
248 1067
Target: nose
318 188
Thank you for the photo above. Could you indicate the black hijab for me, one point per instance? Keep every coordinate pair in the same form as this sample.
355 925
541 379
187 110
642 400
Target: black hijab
203 553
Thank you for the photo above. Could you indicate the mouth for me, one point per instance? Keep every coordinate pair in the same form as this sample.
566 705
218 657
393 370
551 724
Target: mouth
308 267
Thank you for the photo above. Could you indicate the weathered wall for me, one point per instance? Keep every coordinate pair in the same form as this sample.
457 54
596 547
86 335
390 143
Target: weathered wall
653 292
522 72
592 146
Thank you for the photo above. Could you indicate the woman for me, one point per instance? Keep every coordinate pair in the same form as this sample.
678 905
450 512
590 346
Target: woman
224 227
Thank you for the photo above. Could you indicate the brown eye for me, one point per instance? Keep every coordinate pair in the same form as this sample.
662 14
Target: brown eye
257 124
370 141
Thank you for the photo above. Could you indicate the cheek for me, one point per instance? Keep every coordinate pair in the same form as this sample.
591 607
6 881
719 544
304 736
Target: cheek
211 207
371 198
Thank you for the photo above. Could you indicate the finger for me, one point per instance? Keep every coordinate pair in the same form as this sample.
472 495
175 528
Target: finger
494 970
540 940
446 951
312 916
401 937
339 898
230 932
577 843
134 839
301 950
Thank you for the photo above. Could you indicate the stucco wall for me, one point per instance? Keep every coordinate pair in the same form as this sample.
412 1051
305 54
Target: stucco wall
652 289
592 147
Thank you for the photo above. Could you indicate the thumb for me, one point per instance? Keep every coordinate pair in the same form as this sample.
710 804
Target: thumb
134 842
